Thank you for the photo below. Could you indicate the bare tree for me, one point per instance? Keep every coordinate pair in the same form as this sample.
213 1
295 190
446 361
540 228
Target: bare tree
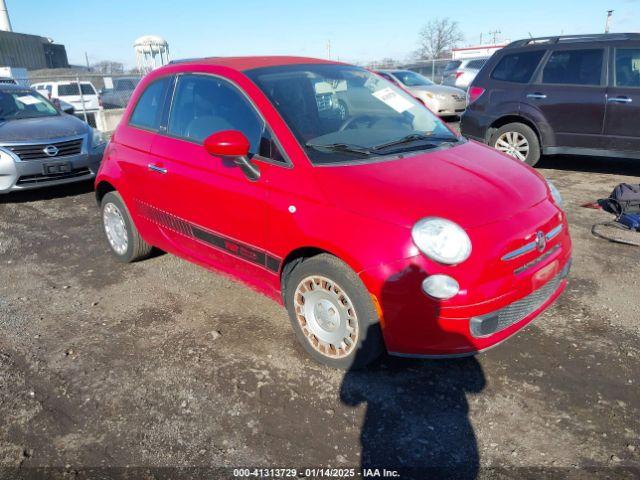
438 37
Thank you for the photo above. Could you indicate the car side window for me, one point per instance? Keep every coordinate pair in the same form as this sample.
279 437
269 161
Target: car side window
204 104
517 67
148 110
574 67
627 67
477 64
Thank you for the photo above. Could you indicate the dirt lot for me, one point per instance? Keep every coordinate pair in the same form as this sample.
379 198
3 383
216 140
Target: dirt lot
165 364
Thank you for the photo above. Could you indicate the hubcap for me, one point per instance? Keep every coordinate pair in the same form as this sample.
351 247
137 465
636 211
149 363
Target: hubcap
514 144
326 316
115 228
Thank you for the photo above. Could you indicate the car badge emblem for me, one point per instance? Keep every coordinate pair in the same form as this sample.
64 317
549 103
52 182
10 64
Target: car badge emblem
50 150
541 241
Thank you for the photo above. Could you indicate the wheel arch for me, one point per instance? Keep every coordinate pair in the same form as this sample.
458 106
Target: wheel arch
296 256
102 189
504 120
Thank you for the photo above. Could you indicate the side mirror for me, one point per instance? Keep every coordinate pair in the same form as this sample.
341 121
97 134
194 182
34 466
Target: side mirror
232 144
68 109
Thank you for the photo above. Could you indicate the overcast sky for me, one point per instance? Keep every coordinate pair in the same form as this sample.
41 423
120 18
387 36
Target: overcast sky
359 30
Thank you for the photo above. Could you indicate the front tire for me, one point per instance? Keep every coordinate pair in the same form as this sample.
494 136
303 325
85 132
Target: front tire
518 141
122 235
332 313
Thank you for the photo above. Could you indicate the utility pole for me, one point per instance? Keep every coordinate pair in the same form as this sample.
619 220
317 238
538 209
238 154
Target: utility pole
607 25
86 58
480 38
494 34
328 49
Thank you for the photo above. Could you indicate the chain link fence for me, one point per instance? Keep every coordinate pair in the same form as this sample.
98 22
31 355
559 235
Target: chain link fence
432 69
98 99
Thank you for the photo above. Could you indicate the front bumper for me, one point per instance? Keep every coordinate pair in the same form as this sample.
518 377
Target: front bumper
17 174
447 107
496 300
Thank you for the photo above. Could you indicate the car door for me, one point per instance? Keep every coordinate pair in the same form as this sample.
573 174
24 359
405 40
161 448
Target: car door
209 209
140 182
623 101
569 93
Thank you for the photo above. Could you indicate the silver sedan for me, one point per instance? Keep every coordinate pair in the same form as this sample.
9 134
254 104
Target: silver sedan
440 99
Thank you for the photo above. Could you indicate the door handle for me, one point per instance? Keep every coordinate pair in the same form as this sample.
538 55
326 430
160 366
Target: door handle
155 168
537 96
619 100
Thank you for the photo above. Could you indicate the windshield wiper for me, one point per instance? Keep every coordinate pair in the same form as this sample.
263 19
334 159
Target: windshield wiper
342 147
413 137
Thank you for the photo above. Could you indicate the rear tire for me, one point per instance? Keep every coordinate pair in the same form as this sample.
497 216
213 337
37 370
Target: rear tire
122 235
518 141
332 313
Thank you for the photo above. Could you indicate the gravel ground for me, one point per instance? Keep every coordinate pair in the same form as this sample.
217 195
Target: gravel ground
165 364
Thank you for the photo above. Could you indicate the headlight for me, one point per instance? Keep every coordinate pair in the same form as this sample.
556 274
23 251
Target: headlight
98 139
557 197
428 94
441 240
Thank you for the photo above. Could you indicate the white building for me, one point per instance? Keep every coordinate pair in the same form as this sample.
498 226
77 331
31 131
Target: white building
475 51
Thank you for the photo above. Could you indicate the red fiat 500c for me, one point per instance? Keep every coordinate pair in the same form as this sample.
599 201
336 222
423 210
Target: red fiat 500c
335 192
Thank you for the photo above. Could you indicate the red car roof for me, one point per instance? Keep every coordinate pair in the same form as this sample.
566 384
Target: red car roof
248 63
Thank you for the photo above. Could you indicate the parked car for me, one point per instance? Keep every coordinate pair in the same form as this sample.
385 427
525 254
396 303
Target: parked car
442 100
383 229
119 95
41 146
559 95
460 73
83 96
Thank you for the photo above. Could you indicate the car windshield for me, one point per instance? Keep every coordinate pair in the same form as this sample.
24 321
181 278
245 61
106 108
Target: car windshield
15 104
342 113
412 79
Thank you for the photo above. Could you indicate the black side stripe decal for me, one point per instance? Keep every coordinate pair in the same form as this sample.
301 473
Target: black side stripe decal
228 245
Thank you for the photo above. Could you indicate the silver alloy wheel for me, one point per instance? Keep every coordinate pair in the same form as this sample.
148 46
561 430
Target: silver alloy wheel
342 111
115 228
326 316
514 144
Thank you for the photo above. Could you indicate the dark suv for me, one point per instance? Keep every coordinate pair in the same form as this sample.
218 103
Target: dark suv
559 95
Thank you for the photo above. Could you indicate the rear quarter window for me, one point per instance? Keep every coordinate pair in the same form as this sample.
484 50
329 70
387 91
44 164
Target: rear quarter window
87 89
477 64
517 67
148 111
453 65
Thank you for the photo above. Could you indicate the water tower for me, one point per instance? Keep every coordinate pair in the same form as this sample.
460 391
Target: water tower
152 52
5 23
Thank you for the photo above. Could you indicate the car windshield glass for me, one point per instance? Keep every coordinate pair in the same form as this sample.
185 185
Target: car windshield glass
17 104
342 113
412 79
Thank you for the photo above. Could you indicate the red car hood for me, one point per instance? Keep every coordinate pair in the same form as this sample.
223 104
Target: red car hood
470 184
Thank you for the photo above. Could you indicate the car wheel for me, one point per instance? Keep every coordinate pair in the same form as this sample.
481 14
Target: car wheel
343 110
122 235
332 313
518 141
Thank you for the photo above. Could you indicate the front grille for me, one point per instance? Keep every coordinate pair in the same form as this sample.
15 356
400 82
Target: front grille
491 323
36 179
36 151
324 101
